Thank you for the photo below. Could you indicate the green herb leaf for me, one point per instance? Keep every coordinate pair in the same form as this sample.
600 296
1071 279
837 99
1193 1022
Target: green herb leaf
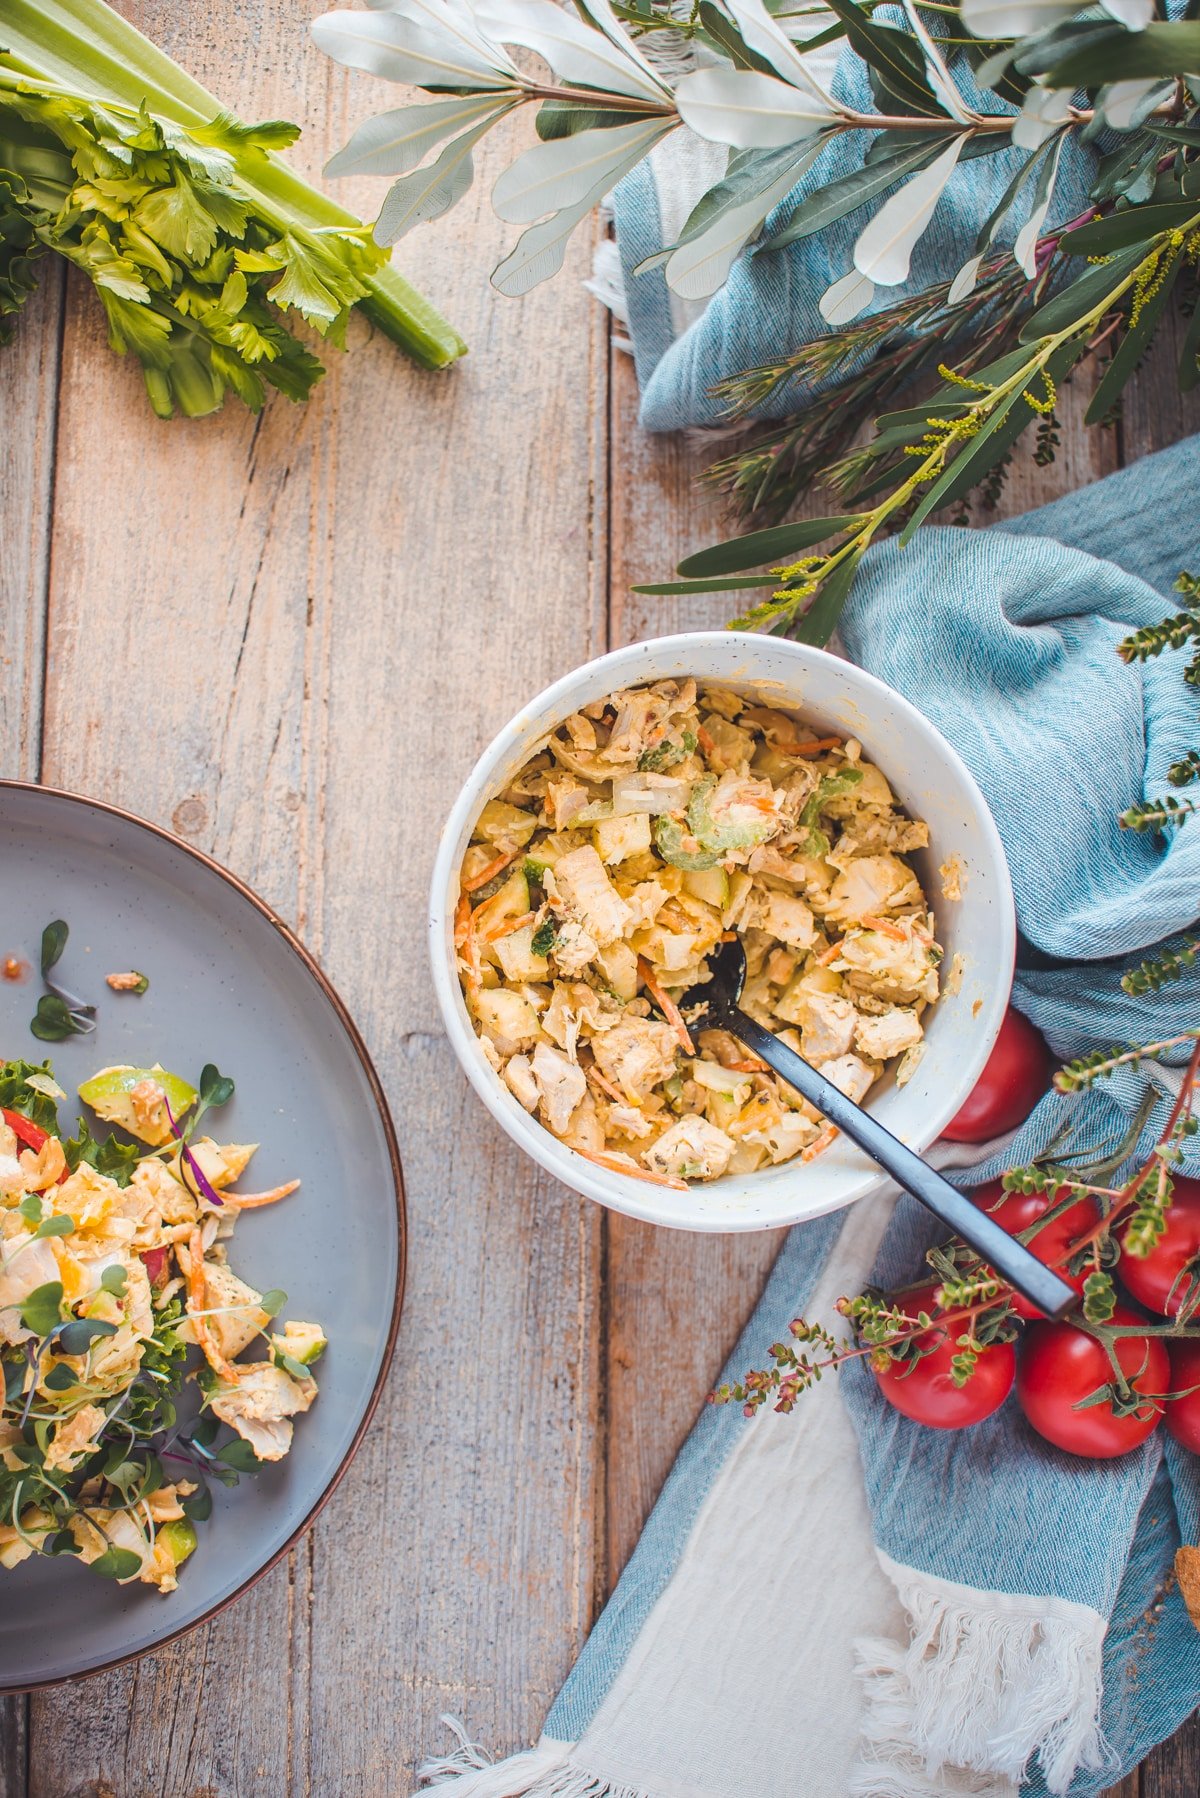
54 941
77 1336
272 1302
61 1378
114 1280
117 1563
240 1456
54 1226
42 1309
53 1022
198 1507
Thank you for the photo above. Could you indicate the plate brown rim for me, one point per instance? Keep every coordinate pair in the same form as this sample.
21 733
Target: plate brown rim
351 1029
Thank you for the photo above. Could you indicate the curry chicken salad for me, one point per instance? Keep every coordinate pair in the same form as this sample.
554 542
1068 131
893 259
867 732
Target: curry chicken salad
117 1300
647 828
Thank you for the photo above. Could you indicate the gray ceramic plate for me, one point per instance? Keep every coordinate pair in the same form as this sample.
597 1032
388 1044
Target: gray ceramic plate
229 984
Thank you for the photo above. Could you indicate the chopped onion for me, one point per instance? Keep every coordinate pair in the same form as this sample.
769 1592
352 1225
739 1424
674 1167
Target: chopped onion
649 793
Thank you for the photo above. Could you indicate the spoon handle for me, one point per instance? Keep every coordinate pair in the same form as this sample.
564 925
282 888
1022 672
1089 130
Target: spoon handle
1010 1258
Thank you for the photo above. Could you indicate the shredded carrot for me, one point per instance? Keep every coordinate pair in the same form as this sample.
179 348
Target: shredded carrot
195 1302
729 936
464 940
507 926
761 802
820 747
617 1166
666 1005
705 741
606 1086
490 872
819 1143
829 954
248 1200
752 1066
885 928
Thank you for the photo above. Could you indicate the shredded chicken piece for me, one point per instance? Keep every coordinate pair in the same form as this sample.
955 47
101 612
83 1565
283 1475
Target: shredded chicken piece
561 1085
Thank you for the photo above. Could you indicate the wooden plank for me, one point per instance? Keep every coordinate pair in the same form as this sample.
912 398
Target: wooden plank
367 589
28 389
1154 412
1173 1769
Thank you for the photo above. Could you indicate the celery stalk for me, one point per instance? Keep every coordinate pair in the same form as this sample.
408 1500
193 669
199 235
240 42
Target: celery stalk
86 46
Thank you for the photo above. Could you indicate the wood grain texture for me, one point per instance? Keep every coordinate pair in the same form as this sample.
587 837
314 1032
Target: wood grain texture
321 616
300 605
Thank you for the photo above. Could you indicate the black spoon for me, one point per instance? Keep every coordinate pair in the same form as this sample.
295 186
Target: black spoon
716 1004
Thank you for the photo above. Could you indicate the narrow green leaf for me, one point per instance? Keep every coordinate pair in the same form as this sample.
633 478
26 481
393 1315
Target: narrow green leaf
728 583
846 195
54 1226
726 35
818 624
775 544
893 55
1132 346
1160 49
1134 226
1078 300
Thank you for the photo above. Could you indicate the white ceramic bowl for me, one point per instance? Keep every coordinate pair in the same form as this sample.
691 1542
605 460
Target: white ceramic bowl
928 778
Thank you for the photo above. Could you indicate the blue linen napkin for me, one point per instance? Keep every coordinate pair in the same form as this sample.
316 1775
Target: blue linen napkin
1048 1643
770 303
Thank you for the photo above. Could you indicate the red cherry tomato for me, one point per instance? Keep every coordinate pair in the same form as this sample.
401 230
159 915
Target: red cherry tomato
1060 1366
25 1130
1016 1211
1015 1077
1161 1281
924 1389
1183 1414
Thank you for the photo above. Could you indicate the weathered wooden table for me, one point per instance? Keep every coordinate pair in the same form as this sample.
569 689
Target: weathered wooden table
287 638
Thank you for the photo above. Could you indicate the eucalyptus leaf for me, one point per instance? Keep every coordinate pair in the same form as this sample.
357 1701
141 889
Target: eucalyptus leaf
1025 248
702 263
539 251
432 51
394 142
562 118
846 298
722 31
1161 49
818 210
884 248
430 192
749 110
559 173
579 54
764 35
602 16
892 55
1014 18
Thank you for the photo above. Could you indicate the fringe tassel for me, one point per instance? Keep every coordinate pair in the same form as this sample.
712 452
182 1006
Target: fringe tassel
980 1689
542 1772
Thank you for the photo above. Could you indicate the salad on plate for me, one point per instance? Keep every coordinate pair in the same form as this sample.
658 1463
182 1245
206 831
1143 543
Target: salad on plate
138 1366
644 830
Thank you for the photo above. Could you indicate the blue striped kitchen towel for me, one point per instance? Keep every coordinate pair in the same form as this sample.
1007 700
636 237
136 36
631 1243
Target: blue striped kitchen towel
838 1603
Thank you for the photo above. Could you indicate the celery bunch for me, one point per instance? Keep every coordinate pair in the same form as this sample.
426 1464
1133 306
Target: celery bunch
199 241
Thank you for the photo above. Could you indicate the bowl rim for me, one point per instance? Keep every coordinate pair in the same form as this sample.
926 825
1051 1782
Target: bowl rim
622 1192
